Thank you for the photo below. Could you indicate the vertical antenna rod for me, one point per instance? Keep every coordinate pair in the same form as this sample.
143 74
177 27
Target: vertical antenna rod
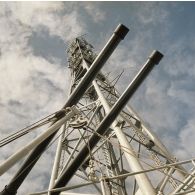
118 35
154 58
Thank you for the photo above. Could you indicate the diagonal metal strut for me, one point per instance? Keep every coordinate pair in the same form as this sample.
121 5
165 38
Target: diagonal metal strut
17 180
107 121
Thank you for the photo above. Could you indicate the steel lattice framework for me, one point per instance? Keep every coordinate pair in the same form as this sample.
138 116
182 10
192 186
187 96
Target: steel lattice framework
127 146
104 146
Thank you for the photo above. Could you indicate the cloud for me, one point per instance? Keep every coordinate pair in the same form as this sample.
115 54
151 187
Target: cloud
94 11
27 68
36 15
31 86
20 69
151 13
187 137
181 91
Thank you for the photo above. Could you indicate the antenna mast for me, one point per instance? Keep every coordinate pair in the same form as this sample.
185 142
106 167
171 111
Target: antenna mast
106 148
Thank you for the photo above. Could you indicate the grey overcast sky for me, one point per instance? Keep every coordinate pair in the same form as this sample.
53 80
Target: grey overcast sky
35 78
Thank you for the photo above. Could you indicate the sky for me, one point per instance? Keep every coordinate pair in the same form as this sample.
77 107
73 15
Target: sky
35 77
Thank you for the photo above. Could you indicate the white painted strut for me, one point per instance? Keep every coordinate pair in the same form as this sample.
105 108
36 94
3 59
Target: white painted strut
104 187
56 161
25 150
142 179
157 141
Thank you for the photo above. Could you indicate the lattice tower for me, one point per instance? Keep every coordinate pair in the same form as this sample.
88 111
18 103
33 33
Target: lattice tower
128 146
102 149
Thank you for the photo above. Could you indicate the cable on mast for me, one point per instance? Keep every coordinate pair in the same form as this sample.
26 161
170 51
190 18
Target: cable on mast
50 118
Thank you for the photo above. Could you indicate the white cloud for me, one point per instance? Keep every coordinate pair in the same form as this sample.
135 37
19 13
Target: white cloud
54 16
187 137
34 87
31 87
17 72
181 61
152 13
18 65
182 94
94 11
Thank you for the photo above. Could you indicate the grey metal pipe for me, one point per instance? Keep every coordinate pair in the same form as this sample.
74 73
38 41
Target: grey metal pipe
17 180
154 58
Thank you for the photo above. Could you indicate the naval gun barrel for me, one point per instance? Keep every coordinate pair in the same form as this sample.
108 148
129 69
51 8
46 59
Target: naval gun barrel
103 127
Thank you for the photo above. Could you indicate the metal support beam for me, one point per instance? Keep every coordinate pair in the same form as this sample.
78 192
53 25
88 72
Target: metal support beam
165 180
26 149
56 160
185 183
119 34
104 187
143 181
65 189
107 121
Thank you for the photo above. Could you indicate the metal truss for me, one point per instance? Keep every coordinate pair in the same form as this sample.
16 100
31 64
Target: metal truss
126 148
104 146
